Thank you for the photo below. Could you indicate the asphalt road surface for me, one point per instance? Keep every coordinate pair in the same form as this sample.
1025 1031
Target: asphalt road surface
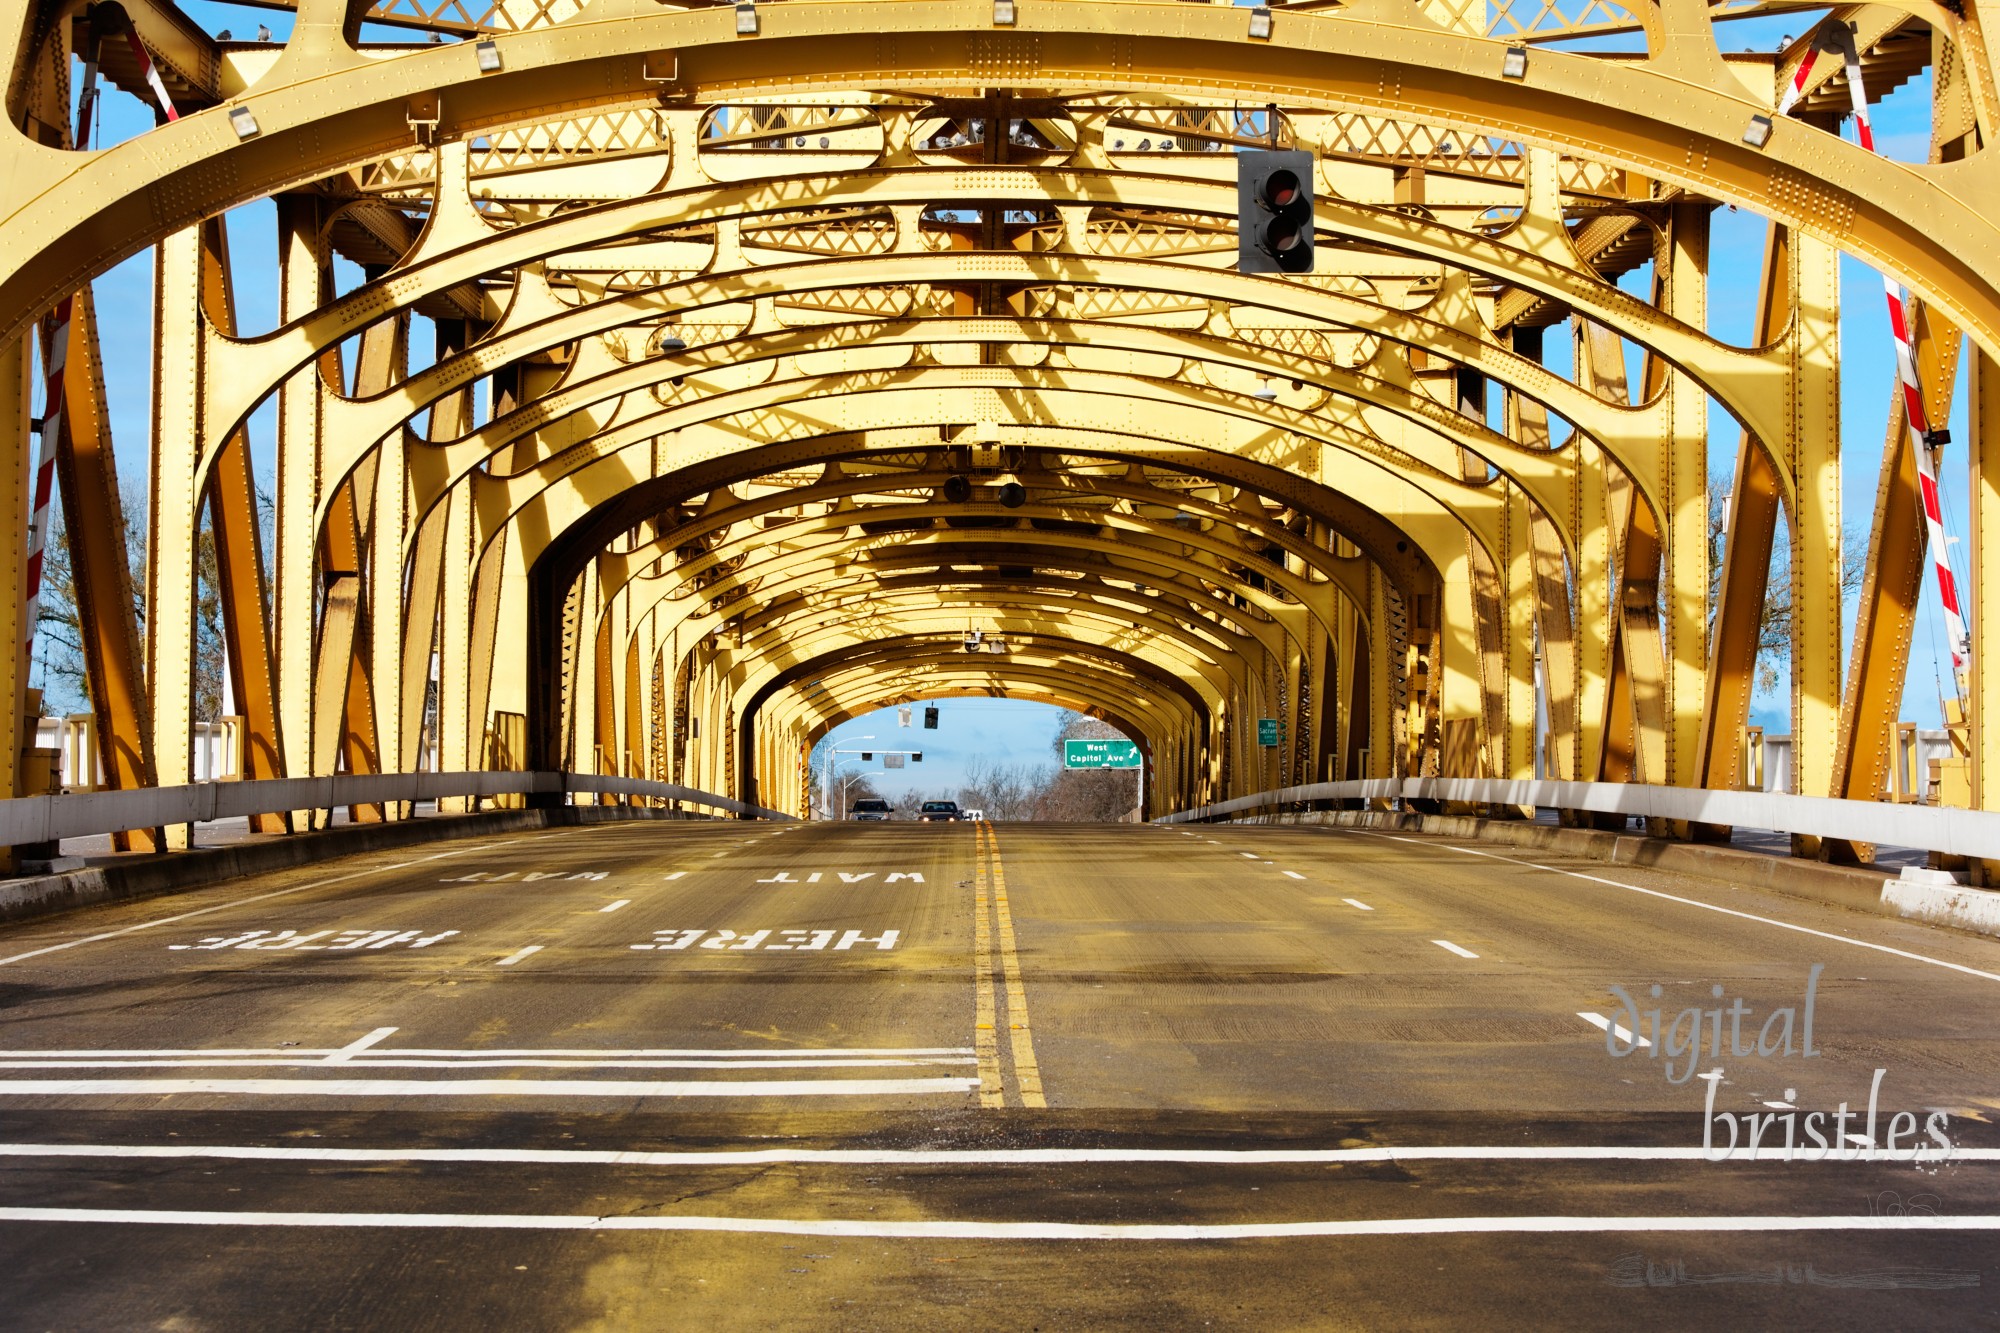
731 1075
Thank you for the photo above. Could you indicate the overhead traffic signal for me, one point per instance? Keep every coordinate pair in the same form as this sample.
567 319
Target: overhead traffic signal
1274 211
930 719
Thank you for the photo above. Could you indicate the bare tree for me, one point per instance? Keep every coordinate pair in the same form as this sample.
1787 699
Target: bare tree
1774 629
1083 795
59 639
1004 792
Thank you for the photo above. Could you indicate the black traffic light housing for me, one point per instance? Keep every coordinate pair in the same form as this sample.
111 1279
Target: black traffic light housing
1274 211
930 719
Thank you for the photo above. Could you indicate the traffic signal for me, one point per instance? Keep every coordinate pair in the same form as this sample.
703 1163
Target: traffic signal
916 756
1274 211
930 719
867 756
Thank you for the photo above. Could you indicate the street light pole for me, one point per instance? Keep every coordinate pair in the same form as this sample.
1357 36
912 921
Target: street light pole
830 763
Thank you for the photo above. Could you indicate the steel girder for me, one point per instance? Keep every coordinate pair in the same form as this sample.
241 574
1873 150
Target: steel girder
866 274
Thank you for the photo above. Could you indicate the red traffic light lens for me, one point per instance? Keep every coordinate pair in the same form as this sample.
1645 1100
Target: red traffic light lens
1280 237
1281 190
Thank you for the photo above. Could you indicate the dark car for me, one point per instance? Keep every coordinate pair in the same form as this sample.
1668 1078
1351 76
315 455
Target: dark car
938 812
871 807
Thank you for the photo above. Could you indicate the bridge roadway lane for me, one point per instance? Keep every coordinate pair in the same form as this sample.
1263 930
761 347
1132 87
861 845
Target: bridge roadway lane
736 1075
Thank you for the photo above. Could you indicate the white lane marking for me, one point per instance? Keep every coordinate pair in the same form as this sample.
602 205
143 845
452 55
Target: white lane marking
238 902
1251 855
612 907
1603 1024
398 1061
1294 874
518 955
713 855
1356 902
579 1053
479 1087
949 1230
1462 953
927 1156
358 1045
1709 907
676 875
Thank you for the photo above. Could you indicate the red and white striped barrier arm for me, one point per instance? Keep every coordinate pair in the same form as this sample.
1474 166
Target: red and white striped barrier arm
1913 395
152 73
55 403
1798 88
1835 38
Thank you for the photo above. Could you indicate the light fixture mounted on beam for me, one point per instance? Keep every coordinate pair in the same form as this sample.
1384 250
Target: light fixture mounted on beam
488 54
1260 23
746 18
244 123
1514 65
1759 132
1003 13
669 343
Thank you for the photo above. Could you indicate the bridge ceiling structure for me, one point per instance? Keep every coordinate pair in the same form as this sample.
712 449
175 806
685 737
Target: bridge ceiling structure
790 359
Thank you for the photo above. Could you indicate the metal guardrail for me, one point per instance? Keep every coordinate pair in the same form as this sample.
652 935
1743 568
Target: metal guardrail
36 819
1934 828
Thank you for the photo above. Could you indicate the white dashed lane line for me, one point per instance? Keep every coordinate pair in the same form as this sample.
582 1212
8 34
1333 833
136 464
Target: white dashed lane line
1603 1024
1447 944
612 907
1357 903
1293 874
518 955
224 907
1691 902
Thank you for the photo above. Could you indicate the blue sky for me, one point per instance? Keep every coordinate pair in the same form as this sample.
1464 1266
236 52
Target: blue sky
1014 731
1000 731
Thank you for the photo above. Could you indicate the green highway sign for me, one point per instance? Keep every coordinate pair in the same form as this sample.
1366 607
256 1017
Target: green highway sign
1267 731
1101 754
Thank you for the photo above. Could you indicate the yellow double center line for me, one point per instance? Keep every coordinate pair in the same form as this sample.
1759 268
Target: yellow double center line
993 934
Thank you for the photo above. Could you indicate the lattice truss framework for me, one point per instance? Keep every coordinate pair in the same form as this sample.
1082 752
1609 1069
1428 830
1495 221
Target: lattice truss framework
742 338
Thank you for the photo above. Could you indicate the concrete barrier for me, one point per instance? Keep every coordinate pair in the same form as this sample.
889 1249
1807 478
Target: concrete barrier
1847 886
1934 896
150 876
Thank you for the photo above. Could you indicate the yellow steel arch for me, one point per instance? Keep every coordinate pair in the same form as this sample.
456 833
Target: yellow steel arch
779 351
